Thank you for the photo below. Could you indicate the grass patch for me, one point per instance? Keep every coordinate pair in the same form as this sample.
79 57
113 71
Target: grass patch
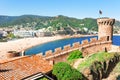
100 57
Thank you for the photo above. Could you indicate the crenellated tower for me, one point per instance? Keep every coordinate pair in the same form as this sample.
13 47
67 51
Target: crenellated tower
105 28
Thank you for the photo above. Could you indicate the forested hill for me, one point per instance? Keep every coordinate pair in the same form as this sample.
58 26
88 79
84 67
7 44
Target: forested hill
45 21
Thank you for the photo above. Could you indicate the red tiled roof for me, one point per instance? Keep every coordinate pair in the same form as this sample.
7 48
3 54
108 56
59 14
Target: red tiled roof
22 67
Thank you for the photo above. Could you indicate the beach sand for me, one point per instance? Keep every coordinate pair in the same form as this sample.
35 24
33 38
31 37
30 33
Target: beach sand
23 44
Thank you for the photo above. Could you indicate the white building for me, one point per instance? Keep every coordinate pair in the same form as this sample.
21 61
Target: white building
24 33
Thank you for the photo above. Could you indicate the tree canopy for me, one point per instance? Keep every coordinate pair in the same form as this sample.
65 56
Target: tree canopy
75 55
64 71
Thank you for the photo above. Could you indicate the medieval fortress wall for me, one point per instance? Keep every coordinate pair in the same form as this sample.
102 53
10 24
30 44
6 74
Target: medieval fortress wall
86 47
104 43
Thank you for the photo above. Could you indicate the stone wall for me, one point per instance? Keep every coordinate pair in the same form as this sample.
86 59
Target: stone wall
86 47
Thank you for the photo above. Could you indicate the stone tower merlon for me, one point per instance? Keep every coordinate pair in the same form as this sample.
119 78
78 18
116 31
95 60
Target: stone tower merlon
105 28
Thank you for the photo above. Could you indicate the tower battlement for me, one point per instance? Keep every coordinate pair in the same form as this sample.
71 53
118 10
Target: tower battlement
105 21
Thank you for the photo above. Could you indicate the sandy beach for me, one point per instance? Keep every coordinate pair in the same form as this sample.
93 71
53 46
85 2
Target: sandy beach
23 44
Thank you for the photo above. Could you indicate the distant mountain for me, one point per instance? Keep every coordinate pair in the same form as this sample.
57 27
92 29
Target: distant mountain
19 20
56 22
6 19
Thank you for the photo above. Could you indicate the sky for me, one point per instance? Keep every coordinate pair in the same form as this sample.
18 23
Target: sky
72 8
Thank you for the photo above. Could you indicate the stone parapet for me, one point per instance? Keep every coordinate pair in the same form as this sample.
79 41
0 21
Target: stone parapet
87 47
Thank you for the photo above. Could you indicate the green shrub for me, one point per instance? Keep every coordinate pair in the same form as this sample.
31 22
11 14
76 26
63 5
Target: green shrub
75 55
64 71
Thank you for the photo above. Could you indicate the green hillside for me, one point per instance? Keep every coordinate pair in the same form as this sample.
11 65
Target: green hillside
41 21
57 22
